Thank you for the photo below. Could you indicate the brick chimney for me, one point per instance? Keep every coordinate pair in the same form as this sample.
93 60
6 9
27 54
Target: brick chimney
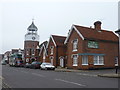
97 25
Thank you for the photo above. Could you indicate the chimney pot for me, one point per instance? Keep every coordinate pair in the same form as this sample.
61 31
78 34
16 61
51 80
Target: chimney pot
97 25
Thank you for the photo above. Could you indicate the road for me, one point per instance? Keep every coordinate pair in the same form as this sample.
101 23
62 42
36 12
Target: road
16 77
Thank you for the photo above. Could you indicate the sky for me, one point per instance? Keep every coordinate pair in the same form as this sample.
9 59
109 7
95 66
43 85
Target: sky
52 17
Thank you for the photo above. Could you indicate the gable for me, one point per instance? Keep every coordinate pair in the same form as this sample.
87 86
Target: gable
51 40
42 49
59 40
73 28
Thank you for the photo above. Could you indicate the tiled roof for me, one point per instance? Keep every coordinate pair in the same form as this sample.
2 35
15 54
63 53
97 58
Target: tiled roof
59 40
91 33
45 44
32 27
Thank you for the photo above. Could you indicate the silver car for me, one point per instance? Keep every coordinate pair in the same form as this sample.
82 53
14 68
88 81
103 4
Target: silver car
47 66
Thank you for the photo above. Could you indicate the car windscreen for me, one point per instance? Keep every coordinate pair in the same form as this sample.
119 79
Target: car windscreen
47 64
36 63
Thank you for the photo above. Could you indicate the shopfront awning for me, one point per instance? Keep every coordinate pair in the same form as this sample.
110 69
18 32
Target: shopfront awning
95 54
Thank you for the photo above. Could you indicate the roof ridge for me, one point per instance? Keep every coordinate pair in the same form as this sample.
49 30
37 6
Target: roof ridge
58 35
93 28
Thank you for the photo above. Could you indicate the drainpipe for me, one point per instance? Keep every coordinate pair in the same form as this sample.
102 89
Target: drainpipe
56 56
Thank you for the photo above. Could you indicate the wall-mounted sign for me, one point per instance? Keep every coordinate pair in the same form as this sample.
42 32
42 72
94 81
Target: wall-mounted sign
92 44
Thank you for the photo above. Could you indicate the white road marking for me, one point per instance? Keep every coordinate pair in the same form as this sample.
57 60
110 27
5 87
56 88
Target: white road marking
38 74
87 74
24 71
70 82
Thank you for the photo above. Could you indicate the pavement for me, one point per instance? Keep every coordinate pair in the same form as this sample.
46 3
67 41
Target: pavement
109 74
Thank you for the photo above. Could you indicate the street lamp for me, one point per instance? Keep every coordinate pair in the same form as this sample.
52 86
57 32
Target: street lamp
118 32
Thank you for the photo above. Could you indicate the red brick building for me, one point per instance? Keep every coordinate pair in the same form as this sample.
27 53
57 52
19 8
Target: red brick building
43 51
57 50
91 48
31 44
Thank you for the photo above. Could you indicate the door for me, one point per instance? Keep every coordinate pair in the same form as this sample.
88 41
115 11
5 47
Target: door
52 61
61 62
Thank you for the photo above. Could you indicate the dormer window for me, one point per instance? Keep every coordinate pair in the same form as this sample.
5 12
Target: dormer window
75 45
51 50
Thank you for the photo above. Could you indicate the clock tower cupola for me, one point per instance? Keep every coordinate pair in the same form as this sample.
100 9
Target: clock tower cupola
31 44
32 33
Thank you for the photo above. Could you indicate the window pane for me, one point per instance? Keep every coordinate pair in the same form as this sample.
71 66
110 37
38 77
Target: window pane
75 60
101 60
84 59
95 60
75 44
98 60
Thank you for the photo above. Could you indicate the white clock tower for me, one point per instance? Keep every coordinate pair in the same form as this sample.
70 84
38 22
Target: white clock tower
31 44
32 33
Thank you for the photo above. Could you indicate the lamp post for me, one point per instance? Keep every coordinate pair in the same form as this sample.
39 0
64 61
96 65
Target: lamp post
118 32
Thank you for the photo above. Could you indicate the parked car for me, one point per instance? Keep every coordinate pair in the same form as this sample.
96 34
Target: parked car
35 65
27 65
3 62
47 66
19 63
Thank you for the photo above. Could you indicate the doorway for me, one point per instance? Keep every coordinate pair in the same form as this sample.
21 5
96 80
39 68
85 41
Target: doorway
61 61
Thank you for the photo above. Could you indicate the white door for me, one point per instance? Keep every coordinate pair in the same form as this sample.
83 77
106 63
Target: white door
52 61
61 62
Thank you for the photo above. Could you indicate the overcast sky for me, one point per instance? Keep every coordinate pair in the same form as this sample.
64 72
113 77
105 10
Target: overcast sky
52 17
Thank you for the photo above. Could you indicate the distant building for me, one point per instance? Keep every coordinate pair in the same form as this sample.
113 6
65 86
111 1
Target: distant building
91 48
31 44
43 51
56 51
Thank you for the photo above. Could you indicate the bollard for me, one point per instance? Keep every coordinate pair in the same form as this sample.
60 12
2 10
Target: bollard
116 69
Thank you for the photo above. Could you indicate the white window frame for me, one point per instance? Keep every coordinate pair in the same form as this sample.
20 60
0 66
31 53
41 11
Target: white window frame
84 57
43 55
33 52
98 60
75 63
27 52
51 59
51 50
75 45
116 61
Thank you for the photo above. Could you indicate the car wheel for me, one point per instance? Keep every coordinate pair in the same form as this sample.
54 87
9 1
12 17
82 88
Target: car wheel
45 68
53 69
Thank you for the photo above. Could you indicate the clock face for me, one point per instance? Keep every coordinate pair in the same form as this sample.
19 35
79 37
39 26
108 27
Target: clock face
33 38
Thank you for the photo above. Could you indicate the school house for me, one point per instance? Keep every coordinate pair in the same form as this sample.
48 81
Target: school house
91 48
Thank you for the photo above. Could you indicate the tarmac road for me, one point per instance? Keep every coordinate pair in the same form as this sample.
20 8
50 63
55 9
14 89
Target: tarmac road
16 77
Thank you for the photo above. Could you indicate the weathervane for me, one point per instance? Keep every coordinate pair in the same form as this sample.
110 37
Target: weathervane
33 19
